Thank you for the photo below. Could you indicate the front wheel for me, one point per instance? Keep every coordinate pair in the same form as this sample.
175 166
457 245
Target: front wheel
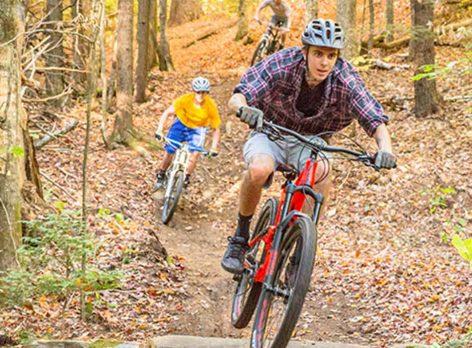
260 53
247 292
281 301
174 190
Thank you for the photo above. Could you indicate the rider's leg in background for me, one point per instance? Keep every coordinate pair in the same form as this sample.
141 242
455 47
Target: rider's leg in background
193 162
283 37
191 166
166 161
323 187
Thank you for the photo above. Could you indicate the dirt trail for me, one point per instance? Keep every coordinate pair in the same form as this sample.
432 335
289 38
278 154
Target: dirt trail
199 237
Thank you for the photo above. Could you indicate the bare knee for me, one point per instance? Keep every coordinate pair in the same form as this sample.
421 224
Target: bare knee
260 169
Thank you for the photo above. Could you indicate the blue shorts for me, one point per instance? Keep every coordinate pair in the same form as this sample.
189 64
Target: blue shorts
195 137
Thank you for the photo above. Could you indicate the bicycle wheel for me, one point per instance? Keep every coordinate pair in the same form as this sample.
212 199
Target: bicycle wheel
247 292
260 52
280 304
171 199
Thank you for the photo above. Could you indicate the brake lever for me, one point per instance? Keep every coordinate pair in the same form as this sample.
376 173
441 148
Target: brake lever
369 161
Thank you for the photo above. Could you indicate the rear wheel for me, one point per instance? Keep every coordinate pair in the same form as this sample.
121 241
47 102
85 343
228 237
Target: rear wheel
280 303
261 52
172 196
247 292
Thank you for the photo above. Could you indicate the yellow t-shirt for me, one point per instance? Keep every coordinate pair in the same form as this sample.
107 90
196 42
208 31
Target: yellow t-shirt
194 116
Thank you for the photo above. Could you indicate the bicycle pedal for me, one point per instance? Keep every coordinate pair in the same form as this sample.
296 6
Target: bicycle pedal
237 277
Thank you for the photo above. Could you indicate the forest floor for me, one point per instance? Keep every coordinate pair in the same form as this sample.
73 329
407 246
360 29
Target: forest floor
385 270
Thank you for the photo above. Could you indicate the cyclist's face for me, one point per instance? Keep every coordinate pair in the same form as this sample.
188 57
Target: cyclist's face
321 61
199 96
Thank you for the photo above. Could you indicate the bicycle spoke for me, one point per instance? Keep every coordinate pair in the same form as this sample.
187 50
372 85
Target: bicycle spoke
272 327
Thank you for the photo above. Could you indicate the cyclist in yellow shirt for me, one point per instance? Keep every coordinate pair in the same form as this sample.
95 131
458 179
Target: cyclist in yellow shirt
195 112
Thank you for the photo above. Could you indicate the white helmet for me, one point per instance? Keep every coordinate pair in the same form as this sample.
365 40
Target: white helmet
201 84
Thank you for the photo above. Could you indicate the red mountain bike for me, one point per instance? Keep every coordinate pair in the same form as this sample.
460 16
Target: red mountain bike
282 247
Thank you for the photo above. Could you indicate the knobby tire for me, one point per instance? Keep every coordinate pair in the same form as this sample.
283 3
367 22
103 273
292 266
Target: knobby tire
300 237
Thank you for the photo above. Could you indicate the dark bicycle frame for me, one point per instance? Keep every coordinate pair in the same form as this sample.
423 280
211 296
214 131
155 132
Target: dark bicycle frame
273 37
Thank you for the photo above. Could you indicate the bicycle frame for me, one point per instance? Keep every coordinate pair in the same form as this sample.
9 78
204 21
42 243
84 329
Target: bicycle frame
180 162
272 36
293 197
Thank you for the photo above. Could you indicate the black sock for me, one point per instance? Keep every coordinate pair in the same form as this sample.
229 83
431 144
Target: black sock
243 226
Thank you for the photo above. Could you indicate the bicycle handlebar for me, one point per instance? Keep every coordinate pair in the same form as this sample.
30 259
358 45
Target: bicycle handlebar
177 144
363 157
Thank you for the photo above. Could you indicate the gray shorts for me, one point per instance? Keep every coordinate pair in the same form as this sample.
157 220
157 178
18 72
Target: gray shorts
288 151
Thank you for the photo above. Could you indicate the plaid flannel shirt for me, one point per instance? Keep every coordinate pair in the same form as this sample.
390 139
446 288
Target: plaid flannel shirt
274 84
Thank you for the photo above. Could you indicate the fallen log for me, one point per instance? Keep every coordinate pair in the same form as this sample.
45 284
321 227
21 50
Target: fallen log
387 66
203 37
209 33
70 125
441 30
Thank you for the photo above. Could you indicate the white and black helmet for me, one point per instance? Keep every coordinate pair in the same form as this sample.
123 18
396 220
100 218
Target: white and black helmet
201 84
324 33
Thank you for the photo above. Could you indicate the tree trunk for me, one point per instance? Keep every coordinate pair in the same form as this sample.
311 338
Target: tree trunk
153 25
423 54
80 12
55 55
390 17
242 21
346 17
370 42
183 11
17 163
311 10
143 46
165 60
123 127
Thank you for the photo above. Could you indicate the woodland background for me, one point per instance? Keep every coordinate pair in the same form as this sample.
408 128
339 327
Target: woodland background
82 255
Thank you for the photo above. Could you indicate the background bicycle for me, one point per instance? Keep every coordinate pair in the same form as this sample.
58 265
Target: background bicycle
280 260
269 43
175 177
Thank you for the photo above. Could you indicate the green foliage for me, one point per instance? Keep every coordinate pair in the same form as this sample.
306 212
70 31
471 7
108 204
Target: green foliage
464 342
16 151
440 197
434 71
26 337
51 261
464 247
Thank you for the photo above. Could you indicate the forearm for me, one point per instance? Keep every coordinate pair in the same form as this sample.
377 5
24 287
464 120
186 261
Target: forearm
236 101
165 115
215 139
382 137
258 11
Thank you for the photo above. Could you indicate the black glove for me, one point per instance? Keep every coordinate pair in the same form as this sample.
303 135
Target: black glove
384 159
159 135
212 154
251 116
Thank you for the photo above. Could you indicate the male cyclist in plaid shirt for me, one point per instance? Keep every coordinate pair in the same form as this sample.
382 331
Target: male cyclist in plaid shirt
310 90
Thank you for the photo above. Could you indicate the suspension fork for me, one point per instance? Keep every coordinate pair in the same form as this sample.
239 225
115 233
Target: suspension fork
284 219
